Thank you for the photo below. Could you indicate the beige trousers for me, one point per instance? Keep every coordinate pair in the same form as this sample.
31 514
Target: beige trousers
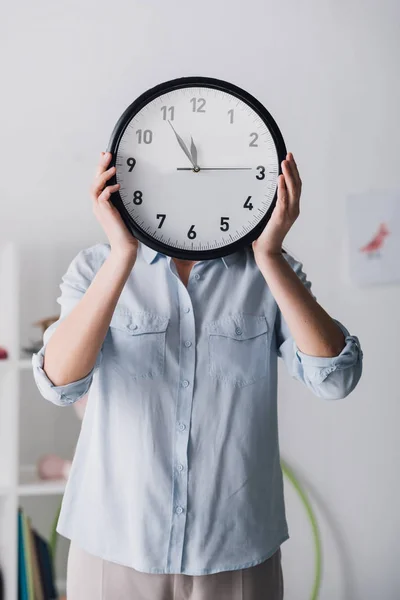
92 578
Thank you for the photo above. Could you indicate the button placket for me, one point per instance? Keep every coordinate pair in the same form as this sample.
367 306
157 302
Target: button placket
183 419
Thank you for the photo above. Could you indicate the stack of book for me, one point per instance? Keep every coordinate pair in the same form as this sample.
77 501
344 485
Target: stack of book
35 563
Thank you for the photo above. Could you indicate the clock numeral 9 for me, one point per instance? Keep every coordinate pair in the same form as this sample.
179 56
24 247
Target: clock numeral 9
138 197
146 136
248 204
261 174
162 217
224 224
191 233
198 104
131 162
253 141
166 109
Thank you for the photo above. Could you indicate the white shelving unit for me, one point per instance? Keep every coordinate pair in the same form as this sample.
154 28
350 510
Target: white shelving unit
17 482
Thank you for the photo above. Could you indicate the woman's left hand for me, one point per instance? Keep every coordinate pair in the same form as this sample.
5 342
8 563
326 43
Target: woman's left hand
285 213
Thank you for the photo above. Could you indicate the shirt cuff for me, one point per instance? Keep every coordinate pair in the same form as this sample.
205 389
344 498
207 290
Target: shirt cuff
61 395
319 367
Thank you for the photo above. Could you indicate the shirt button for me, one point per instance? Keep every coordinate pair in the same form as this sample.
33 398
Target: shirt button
197 276
180 467
187 309
238 331
179 510
132 326
188 344
185 383
181 426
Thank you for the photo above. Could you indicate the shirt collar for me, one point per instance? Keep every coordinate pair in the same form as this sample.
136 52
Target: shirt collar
150 256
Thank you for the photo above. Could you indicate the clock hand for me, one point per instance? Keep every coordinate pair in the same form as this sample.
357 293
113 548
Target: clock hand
193 151
216 169
183 146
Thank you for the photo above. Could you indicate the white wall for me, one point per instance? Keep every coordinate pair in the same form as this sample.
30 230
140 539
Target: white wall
329 73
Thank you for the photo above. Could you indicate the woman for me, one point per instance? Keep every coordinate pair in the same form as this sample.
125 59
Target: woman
175 490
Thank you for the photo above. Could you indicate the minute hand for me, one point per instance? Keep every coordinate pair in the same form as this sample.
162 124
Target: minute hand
217 169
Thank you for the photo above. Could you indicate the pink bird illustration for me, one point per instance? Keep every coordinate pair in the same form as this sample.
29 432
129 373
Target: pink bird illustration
372 248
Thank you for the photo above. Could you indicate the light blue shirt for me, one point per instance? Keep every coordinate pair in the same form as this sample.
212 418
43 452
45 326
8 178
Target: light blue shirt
177 466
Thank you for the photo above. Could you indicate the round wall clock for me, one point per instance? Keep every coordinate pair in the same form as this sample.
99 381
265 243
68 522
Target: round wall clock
197 160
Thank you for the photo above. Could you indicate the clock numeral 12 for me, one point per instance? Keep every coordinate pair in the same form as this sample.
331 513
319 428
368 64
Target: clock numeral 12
162 217
138 197
166 109
198 104
224 224
146 136
191 233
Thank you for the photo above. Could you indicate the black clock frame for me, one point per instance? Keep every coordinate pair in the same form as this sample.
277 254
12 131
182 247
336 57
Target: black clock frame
137 106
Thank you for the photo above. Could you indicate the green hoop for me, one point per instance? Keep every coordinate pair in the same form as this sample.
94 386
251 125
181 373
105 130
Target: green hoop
289 474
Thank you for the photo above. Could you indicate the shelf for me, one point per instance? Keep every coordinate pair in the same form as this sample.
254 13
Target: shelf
31 485
4 490
22 363
25 293
25 363
42 488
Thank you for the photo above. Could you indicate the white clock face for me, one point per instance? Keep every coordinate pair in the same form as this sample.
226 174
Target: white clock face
211 198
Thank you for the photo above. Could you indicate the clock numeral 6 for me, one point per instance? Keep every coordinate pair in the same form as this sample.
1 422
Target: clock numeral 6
162 217
248 204
165 110
131 162
224 224
138 197
191 233
261 174
198 104
146 136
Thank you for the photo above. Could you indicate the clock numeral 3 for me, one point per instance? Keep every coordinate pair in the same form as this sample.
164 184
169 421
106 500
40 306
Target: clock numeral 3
248 204
138 197
146 136
261 174
198 105
253 141
224 224
131 162
165 110
191 233
162 217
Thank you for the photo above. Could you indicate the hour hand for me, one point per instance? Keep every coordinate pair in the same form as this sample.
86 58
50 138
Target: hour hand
183 145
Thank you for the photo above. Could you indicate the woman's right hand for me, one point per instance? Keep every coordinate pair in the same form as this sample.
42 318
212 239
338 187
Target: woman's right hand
120 238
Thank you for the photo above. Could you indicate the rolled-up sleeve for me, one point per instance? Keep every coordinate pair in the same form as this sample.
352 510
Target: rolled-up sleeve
73 286
331 378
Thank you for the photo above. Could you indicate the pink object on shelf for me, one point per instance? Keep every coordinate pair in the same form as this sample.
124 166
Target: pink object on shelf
3 353
52 466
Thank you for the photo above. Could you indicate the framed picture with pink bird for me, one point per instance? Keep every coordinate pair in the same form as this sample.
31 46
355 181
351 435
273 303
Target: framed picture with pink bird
374 237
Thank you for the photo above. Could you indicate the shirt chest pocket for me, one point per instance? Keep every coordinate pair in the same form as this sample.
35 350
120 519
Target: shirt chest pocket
135 344
238 349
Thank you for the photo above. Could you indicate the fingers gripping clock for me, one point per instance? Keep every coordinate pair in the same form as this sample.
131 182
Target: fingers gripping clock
197 160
